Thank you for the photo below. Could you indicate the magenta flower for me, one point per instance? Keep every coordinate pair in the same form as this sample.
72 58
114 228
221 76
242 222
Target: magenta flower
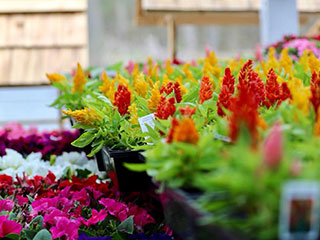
140 216
117 209
6 205
96 217
51 218
65 227
21 199
130 66
8 226
273 147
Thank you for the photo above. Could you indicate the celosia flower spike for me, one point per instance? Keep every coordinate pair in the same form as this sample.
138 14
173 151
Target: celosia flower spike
315 92
227 90
205 89
78 80
165 108
122 99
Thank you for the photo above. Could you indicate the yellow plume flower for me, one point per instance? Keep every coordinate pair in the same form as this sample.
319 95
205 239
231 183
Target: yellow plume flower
303 60
314 63
265 68
140 85
233 64
272 60
150 65
300 95
286 61
85 116
55 77
188 73
154 72
154 98
213 60
78 80
108 87
150 82
121 80
135 71
165 80
133 110
169 68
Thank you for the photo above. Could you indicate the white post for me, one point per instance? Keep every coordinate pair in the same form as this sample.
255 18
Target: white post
278 18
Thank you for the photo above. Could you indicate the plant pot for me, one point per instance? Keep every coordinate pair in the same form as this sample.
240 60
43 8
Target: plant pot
128 181
184 216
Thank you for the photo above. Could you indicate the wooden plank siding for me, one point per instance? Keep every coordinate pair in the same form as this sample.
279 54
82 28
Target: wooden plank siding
40 36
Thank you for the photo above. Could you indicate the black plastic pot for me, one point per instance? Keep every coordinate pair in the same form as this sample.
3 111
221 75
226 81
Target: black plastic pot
184 217
128 181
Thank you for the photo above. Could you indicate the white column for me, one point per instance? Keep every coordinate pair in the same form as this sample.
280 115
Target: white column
278 18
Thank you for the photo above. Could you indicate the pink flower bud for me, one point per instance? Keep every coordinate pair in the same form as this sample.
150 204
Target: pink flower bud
296 168
273 147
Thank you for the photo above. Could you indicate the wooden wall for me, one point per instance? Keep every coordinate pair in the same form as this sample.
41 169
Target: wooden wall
40 36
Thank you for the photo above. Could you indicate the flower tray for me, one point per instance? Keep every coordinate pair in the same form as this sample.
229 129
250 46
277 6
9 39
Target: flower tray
184 217
128 181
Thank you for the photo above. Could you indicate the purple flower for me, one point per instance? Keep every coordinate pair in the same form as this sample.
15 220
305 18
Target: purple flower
83 236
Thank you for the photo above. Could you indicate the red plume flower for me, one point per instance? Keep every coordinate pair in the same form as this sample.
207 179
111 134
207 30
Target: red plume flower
168 88
272 88
227 90
275 92
187 111
177 92
205 89
122 99
244 112
174 124
165 108
315 92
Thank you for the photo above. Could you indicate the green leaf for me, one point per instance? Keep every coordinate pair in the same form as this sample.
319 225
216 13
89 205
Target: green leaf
82 173
43 234
126 225
13 236
96 149
38 220
85 139
31 200
138 167
29 234
117 236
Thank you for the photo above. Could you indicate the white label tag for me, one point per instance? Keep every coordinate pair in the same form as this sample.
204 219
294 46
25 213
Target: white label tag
299 215
146 120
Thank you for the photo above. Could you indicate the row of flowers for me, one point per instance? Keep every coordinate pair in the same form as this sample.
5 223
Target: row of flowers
236 130
25 141
50 208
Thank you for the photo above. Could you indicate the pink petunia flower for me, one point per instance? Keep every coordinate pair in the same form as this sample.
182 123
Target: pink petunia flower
65 227
96 217
8 226
117 209
6 205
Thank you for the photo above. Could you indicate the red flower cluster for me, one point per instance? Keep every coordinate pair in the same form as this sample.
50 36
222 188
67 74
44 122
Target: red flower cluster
227 90
315 91
205 89
249 79
172 87
177 92
275 93
165 108
174 124
122 99
187 111
167 88
244 106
